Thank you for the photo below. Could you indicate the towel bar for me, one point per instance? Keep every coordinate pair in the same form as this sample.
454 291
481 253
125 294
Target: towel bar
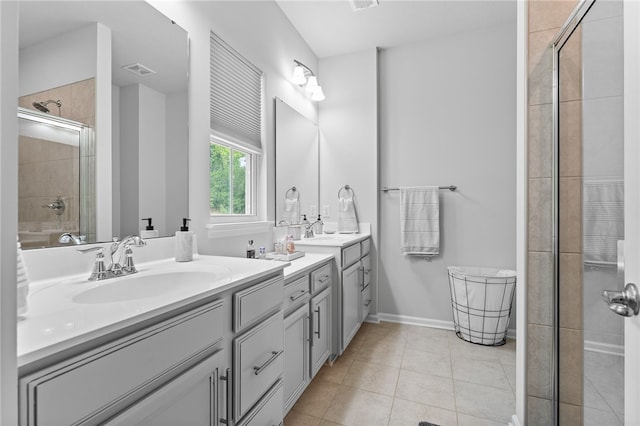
450 188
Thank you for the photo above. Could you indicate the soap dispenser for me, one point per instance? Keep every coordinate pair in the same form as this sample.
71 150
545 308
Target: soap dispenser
148 232
184 242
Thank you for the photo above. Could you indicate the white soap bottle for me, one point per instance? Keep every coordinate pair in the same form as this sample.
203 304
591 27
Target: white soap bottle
148 232
184 242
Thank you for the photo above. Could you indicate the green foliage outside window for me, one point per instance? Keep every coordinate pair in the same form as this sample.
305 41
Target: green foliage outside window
228 175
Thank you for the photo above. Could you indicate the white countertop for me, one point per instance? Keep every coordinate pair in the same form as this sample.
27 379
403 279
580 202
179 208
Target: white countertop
306 263
333 240
54 322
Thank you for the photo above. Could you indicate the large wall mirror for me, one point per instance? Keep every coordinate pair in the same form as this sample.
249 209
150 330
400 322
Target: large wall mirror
103 121
296 165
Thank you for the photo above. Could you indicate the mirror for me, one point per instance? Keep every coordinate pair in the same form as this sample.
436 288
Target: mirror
132 161
296 165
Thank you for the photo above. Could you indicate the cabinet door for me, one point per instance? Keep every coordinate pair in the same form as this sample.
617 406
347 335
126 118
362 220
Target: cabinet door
193 398
366 271
296 355
321 330
350 303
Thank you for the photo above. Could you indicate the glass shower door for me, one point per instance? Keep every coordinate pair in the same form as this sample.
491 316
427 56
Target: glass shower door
590 209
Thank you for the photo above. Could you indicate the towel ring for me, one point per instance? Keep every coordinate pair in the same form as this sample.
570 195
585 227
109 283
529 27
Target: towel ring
294 193
346 188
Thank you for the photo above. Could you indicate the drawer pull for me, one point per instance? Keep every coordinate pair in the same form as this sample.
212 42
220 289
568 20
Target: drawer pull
302 293
323 279
274 355
368 303
227 379
318 332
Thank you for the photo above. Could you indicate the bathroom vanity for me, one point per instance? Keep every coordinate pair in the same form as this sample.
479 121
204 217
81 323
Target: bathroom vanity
350 289
199 342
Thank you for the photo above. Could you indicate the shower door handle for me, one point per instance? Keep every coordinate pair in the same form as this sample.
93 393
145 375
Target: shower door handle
626 302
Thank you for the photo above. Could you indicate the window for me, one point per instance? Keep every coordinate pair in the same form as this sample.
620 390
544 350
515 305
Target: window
236 131
232 182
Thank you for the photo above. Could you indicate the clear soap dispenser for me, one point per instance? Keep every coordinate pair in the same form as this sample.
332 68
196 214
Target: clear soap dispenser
184 242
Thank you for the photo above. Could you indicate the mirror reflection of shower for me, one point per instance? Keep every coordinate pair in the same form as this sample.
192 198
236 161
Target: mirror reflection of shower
42 106
56 185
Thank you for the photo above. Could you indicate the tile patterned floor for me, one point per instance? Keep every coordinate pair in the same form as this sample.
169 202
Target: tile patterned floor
603 394
395 374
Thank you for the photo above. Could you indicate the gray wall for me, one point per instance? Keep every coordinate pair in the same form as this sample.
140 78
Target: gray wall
447 117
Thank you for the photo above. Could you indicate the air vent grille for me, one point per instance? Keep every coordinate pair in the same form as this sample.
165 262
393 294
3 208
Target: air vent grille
357 5
138 69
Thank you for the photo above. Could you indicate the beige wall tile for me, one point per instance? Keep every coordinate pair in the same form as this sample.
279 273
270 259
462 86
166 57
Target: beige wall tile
570 415
545 14
540 141
539 361
570 215
571 292
540 288
570 143
539 412
540 67
570 67
571 366
540 214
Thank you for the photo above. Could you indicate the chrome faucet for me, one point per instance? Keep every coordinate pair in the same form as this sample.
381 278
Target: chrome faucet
118 250
68 237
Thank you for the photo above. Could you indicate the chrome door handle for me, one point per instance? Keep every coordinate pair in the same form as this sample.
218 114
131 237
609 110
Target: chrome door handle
626 302
318 312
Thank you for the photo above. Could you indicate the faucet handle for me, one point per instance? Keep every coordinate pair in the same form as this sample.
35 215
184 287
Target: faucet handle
99 271
129 267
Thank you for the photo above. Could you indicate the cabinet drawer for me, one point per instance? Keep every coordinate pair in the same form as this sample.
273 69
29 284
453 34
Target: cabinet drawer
320 278
296 293
365 246
350 254
86 385
269 411
258 362
257 301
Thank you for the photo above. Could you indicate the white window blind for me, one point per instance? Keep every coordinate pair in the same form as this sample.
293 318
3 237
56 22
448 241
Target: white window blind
235 95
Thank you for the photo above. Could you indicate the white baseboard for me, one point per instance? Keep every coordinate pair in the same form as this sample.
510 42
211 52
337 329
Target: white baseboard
372 318
426 322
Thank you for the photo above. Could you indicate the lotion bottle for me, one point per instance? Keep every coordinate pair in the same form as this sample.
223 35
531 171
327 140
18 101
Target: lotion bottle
184 242
148 232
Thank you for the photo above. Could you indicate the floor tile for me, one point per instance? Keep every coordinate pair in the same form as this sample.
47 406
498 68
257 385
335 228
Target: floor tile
484 401
436 342
426 389
372 377
427 362
593 417
356 407
467 420
295 418
338 370
315 400
406 413
489 373
380 353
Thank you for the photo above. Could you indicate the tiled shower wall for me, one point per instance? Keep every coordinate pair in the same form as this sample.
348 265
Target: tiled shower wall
545 20
48 169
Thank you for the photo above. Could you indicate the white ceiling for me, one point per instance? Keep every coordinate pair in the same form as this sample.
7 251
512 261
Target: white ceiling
331 27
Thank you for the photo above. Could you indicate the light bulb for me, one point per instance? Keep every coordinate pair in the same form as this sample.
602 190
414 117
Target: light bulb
312 83
298 75
318 94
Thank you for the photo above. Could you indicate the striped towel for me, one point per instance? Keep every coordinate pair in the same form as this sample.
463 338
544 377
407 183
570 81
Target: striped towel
603 219
420 220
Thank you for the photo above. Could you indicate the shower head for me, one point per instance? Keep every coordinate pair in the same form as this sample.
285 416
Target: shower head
42 106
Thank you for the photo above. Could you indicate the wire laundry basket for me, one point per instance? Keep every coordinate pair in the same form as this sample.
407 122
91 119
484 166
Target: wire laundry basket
481 300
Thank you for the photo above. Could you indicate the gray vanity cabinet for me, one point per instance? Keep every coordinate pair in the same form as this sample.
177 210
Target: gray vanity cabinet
350 303
196 397
321 331
296 359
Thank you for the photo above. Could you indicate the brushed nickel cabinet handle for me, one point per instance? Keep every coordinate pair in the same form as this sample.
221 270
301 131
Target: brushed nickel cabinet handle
274 355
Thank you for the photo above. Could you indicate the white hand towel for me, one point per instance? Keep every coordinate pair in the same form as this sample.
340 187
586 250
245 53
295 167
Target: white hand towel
347 219
23 283
291 211
420 220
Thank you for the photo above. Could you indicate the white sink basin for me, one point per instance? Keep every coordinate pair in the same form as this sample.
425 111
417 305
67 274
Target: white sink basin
143 286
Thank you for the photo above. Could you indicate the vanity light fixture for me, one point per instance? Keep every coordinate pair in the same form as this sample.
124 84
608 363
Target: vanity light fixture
303 76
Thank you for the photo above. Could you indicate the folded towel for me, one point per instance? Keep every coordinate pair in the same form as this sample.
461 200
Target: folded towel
291 211
347 218
603 219
420 220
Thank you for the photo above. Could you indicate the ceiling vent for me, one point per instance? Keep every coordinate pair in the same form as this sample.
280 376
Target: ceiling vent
138 69
357 5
